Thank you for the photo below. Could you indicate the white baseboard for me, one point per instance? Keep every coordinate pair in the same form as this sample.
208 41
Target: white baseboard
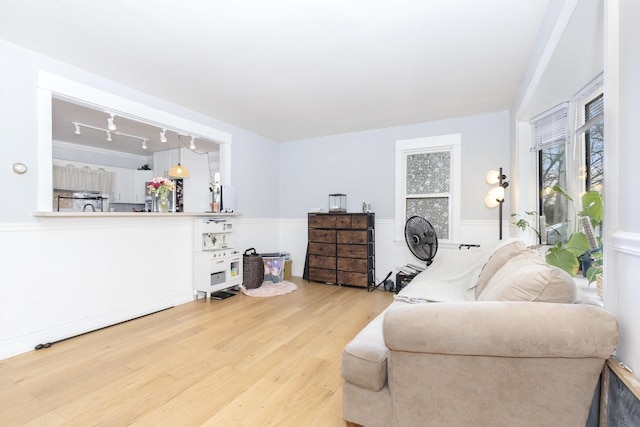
24 343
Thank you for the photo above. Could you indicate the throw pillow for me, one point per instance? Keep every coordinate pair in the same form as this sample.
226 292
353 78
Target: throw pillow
528 278
496 261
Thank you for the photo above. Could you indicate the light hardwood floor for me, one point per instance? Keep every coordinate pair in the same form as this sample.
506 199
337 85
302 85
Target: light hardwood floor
242 361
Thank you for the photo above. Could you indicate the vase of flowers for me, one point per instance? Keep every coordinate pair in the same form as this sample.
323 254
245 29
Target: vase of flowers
160 188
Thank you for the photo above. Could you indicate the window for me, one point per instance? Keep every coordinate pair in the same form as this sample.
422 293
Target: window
549 140
574 164
594 144
427 184
554 207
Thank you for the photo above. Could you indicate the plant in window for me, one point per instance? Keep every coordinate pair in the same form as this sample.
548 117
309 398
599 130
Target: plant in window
582 243
596 266
521 222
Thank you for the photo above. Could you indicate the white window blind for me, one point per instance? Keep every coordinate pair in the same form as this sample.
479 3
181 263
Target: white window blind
550 128
594 114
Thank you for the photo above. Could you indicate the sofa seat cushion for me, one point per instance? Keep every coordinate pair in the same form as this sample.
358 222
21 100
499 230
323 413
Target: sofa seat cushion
527 277
364 359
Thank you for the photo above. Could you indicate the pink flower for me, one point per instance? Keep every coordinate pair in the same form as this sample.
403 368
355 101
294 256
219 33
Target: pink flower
160 186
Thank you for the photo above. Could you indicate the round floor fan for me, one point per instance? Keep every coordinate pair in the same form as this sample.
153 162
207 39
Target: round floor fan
421 238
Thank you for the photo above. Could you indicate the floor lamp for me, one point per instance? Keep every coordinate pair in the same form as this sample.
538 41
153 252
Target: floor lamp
495 196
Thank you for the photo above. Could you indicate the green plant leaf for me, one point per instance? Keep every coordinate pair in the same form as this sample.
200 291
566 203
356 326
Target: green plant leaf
522 224
560 190
564 259
577 244
593 272
593 207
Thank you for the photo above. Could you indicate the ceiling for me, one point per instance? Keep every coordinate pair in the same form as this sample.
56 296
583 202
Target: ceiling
294 69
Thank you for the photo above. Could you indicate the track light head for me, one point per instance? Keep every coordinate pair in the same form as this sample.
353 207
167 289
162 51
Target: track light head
192 145
110 125
163 136
77 131
144 144
109 136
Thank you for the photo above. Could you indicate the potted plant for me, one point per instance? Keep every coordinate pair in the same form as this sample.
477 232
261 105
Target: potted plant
582 243
523 223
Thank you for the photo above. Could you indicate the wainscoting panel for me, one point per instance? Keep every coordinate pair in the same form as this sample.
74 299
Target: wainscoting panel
622 293
66 276
627 243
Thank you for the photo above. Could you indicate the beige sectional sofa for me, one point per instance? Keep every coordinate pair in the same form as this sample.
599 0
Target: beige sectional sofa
492 337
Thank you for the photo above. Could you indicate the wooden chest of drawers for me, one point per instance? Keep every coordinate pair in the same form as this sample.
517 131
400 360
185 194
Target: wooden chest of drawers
341 249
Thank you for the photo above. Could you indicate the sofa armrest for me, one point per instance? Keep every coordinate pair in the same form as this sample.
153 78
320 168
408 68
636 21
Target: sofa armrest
502 329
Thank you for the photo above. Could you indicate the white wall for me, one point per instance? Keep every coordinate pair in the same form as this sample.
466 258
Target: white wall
361 165
622 99
617 27
255 163
60 277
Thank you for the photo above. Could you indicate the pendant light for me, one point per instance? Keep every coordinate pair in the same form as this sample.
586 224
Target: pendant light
179 171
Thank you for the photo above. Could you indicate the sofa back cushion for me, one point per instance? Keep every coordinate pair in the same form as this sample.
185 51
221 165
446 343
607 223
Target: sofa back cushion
527 277
497 260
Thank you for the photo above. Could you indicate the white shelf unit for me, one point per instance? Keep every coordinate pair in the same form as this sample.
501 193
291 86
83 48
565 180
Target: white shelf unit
217 264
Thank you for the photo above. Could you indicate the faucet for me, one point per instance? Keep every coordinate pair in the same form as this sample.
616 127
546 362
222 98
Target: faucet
84 208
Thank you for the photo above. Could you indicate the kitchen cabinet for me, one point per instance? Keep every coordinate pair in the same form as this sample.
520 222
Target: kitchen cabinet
123 187
163 160
129 185
341 249
140 178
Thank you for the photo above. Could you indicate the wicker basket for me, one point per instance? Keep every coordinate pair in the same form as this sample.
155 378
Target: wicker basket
252 269
600 286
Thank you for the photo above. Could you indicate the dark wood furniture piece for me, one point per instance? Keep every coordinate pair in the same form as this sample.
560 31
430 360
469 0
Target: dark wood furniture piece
341 249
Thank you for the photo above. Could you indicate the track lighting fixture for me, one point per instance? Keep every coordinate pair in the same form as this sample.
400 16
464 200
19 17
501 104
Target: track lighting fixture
110 125
111 131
